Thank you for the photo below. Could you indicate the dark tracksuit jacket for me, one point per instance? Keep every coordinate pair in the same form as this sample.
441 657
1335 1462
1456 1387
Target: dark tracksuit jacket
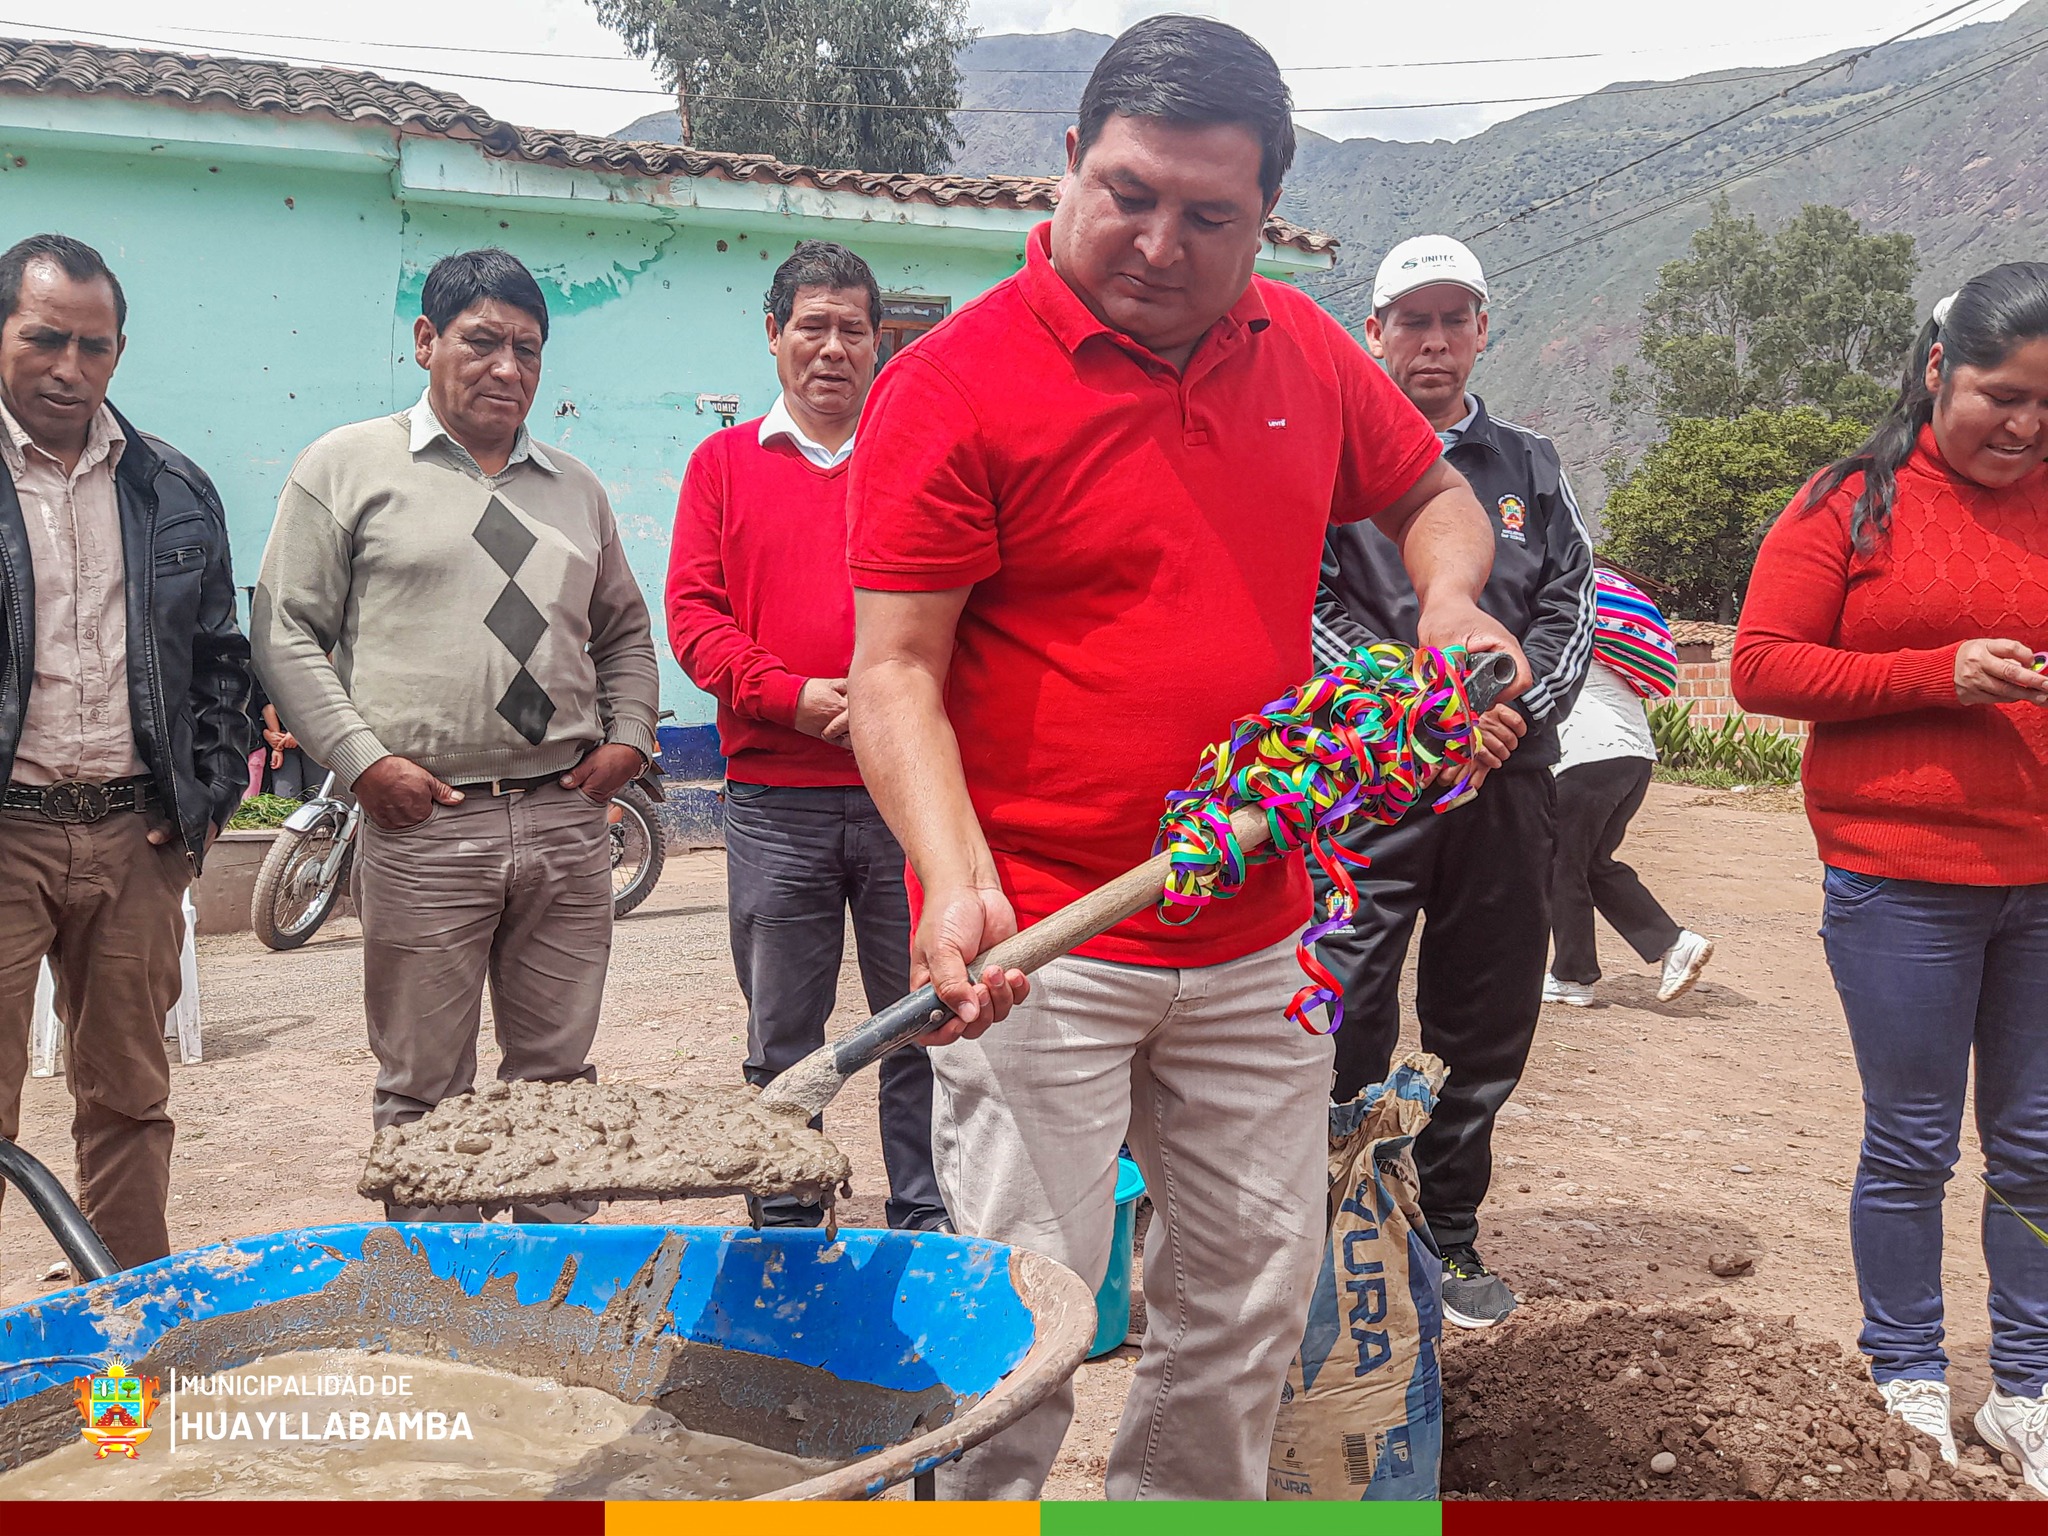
1482 871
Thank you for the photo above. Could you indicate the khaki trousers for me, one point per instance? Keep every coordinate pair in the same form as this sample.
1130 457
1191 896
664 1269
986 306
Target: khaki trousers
103 903
1226 1107
510 890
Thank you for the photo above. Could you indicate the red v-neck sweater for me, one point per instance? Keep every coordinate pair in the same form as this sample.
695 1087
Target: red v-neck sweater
759 599
1902 781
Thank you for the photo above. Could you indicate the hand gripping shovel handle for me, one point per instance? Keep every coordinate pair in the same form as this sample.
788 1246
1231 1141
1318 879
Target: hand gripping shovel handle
813 1082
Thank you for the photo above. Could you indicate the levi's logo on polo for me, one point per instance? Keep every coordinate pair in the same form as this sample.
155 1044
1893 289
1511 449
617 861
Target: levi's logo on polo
1513 515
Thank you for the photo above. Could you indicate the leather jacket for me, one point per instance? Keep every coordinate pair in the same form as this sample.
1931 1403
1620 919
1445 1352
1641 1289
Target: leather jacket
188 661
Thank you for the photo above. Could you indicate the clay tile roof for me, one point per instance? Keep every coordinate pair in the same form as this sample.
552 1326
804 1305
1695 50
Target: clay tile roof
1721 637
354 96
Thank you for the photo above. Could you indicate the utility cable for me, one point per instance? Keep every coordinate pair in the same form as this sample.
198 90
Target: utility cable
1727 178
608 58
1721 122
1624 218
895 106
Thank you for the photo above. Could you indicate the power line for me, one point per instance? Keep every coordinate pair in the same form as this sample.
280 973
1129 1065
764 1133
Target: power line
1682 140
1721 122
2017 50
894 106
608 58
1624 218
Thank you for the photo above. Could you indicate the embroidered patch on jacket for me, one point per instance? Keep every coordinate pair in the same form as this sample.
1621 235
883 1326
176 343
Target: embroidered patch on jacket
1512 516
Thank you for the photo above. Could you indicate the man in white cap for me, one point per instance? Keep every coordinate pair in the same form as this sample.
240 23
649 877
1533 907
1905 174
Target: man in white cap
1481 874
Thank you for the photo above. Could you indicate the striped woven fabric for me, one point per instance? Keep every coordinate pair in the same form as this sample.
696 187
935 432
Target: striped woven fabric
1630 635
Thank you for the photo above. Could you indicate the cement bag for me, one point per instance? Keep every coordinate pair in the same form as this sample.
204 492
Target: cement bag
1361 1416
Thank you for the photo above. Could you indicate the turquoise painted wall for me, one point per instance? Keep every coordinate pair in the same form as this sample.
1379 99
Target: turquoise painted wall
271 299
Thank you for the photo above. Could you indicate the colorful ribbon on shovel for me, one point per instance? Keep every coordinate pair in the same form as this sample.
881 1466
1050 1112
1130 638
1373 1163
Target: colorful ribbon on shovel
1358 743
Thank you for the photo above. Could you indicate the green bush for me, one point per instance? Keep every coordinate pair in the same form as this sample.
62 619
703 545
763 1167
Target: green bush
1746 756
260 813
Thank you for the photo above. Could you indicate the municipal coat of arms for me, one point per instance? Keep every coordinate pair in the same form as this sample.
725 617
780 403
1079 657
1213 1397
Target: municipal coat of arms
117 1408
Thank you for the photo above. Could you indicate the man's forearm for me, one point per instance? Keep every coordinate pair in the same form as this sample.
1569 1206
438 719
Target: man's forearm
910 761
1447 547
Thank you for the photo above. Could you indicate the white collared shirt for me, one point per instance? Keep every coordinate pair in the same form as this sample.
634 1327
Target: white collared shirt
76 722
779 423
1450 436
426 426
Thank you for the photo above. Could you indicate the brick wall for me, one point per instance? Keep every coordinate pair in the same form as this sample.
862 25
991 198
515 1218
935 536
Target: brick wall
1704 684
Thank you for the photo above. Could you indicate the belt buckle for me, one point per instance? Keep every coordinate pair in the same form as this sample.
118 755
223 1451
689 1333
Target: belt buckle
72 801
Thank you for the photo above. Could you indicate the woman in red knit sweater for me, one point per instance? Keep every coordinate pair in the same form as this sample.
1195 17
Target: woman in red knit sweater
1899 604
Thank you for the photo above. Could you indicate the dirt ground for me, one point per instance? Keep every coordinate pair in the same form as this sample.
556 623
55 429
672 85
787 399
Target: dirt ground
1643 1140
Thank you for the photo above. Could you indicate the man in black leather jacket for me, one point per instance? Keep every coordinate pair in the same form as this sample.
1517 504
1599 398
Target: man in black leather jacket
124 740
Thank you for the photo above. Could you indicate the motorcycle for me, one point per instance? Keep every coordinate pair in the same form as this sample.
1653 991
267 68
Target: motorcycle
308 867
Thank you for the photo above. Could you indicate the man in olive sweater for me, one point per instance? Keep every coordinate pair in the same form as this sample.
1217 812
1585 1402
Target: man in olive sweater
446 617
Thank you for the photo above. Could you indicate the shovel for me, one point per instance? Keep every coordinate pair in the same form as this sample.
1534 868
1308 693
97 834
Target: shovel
807 1087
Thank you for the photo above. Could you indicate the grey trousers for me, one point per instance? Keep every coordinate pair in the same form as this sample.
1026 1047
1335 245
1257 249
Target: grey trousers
1225 1104
796 859
514 890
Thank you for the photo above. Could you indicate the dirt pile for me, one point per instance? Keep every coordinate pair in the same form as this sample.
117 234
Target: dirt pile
606 1141
1567 1400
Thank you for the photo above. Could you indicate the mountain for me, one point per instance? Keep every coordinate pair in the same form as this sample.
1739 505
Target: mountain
1945 138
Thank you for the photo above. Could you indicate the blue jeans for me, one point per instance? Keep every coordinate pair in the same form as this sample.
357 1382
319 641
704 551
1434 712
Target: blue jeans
1928 973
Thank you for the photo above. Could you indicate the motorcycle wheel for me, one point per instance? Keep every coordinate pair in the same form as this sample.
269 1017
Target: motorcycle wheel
288 905
639 849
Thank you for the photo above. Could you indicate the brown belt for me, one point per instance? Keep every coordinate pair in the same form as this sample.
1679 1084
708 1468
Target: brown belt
76 801
509 786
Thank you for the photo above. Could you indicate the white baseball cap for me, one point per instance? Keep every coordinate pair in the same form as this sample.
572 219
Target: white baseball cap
1425 260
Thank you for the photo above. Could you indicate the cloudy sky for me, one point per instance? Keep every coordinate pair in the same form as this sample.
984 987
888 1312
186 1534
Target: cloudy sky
554 66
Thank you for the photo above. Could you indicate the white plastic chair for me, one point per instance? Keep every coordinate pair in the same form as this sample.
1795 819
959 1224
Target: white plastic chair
180 1024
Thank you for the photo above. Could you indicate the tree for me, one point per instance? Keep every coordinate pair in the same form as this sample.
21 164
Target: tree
1816 314
868 84
1691 513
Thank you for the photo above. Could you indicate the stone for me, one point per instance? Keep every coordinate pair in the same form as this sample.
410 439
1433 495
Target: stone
1757 1476
1919 1463
2011 1463
1663 1463
1897 1483
1729 1265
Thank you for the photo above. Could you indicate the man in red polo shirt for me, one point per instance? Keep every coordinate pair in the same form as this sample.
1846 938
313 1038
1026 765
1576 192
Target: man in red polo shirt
760 612
1086 525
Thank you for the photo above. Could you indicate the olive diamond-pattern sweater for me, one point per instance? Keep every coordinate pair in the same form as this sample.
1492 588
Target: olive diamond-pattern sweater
484 626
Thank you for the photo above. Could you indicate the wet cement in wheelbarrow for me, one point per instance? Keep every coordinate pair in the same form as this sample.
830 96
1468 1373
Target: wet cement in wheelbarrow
536 1142
391 1302
360 1427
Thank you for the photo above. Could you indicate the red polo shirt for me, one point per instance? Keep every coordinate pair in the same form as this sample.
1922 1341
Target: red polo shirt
1143 546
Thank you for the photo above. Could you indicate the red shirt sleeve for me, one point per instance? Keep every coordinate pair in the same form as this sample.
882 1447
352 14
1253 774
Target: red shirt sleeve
1388 443
718 656
1786 660
920 511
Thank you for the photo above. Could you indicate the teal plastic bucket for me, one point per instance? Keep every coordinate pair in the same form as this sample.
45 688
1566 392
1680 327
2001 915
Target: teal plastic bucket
1113 1301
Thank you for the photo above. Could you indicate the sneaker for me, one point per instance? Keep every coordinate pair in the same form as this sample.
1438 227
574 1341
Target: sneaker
2018 1426
1474 1296
1573 994
1924 1405
1683 963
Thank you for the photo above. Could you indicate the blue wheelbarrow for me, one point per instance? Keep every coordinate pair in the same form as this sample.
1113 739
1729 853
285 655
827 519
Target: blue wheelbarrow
903 1349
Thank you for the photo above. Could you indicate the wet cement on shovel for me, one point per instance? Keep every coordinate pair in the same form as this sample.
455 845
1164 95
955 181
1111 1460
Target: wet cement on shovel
536 1142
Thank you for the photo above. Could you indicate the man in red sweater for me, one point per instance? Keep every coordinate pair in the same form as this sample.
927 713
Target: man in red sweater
760 611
